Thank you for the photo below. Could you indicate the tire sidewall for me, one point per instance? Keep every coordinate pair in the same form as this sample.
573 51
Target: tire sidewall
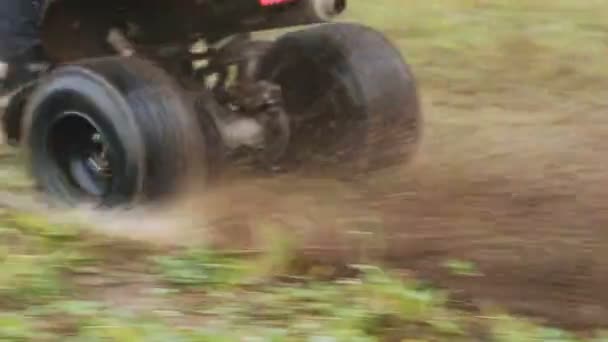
376 110
108 110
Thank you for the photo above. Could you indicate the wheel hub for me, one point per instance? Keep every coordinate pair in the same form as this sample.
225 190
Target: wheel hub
98 160
82 153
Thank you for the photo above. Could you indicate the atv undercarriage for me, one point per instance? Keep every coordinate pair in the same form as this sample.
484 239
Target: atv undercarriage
145 95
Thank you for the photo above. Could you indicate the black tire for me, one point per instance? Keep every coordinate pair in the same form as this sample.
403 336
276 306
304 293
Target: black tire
148 128
359 89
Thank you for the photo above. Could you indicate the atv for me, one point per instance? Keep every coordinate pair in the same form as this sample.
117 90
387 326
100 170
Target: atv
141 96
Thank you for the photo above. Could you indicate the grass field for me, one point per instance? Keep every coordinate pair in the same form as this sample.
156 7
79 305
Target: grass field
500 217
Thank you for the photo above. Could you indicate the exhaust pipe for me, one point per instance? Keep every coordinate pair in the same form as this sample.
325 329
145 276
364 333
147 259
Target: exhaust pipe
293 13
317 11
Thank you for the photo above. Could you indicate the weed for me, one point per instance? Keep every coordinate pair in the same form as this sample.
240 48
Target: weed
198 267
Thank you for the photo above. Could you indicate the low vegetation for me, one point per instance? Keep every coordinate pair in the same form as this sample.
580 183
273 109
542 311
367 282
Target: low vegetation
53 280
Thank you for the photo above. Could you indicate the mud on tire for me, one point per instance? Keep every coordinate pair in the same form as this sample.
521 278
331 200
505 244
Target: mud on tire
353 93
127 110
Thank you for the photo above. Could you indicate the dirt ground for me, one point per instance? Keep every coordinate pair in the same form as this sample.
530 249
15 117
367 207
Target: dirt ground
517 189
524 198
520 193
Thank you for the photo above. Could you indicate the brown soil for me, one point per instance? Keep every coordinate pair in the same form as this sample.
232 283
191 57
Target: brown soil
519 190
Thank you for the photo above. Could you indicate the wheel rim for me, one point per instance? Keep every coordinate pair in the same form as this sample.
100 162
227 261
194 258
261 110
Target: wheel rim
78 146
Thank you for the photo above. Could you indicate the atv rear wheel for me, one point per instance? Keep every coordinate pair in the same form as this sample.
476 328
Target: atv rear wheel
112 131
350 95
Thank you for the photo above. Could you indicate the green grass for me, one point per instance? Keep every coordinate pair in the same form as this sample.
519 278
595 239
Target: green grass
50 284
484 47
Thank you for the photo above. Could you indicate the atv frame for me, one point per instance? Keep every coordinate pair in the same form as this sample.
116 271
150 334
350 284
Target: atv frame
142 95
